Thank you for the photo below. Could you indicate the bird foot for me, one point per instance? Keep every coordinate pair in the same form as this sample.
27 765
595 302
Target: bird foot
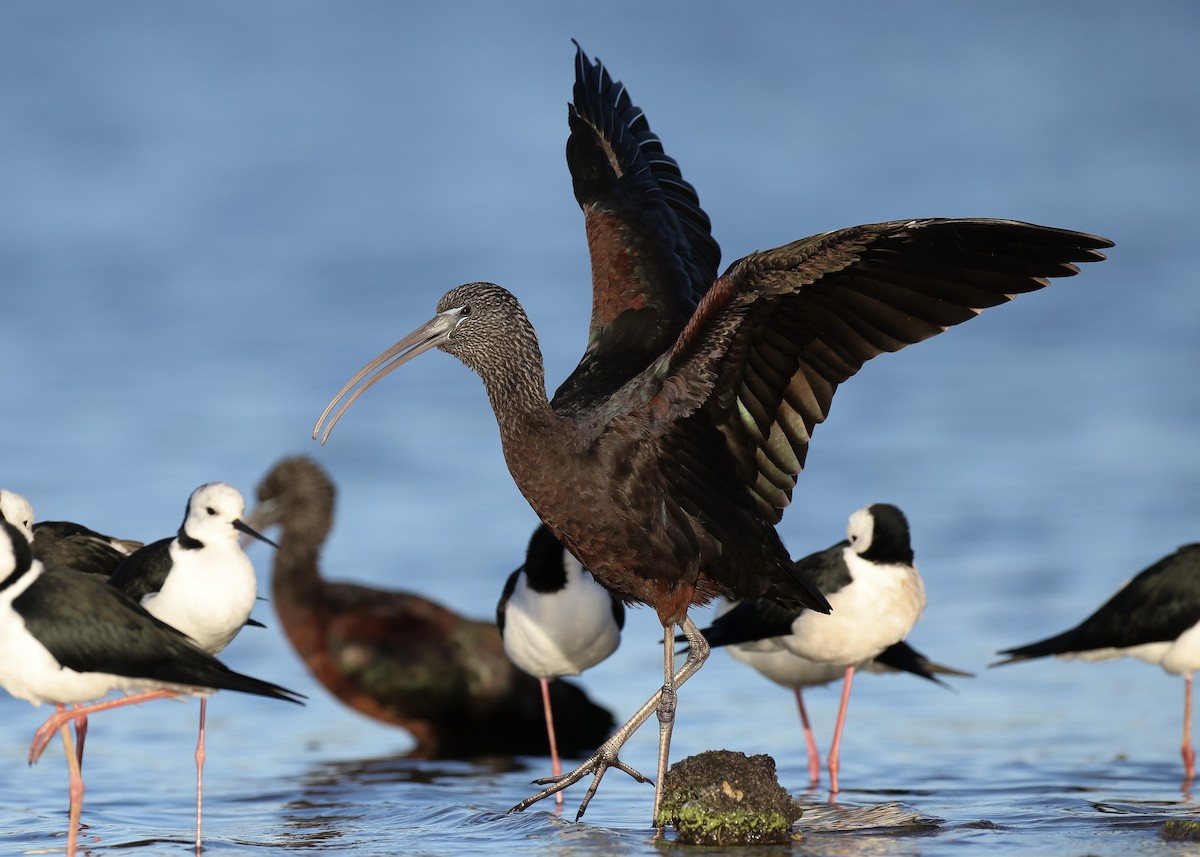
596 765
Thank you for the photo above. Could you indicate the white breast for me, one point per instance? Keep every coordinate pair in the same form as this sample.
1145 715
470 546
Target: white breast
208 595
877 609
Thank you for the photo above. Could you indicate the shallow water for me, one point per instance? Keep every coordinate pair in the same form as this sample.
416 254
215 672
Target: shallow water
212 215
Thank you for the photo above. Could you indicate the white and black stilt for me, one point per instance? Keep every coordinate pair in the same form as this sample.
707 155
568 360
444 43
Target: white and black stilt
876 594
1155 617
68 638
556 620
200 582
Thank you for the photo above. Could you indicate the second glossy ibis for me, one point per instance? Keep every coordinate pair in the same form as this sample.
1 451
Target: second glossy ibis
399 657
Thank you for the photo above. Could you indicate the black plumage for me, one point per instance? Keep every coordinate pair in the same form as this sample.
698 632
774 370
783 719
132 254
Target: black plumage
1156 606
665 473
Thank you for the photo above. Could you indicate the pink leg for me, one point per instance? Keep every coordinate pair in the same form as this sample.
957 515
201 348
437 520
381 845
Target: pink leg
555 764
46 731
835 749
200 756
1189 752
810 744
76 788
80 735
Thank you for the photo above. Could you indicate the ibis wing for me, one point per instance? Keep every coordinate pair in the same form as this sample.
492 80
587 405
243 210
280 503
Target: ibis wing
781 329
652 251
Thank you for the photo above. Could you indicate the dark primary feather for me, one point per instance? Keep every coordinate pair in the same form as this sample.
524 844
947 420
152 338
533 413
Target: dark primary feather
1158 605
145 571
781 329
652 250
904 658
89 626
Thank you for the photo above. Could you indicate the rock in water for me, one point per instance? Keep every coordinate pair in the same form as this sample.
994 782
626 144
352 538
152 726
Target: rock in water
725 798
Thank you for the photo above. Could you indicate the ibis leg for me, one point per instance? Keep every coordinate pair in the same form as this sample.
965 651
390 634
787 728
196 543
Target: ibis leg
606 756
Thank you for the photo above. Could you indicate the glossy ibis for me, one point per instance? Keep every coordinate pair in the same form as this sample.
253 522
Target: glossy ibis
667 457
555 620
1155 617
401 658
68 638
200 582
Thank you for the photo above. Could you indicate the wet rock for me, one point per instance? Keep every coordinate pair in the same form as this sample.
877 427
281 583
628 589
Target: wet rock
1180 830
725 798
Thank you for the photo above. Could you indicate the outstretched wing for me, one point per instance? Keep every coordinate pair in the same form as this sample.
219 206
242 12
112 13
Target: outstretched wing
652 251
781 329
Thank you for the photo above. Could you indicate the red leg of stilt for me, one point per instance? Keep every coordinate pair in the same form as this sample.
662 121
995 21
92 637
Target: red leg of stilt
80 735
810 744
835 749
1189 752
46 731
200 756
555 764
75 790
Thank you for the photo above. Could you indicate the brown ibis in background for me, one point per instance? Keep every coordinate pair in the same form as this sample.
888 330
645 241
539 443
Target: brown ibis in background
1155 617
401 658
555 621
665 460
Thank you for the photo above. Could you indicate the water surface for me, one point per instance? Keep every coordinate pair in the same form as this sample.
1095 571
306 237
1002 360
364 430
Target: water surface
211 215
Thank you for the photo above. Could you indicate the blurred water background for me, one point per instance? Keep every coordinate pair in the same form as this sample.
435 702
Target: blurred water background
211 214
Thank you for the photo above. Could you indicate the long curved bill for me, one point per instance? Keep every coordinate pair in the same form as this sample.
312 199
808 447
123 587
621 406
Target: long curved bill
429 335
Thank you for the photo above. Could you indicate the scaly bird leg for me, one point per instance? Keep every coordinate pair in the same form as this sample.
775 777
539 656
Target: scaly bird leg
46 731
698 650
606 756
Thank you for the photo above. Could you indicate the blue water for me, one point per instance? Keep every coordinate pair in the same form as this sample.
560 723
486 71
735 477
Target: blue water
211 214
